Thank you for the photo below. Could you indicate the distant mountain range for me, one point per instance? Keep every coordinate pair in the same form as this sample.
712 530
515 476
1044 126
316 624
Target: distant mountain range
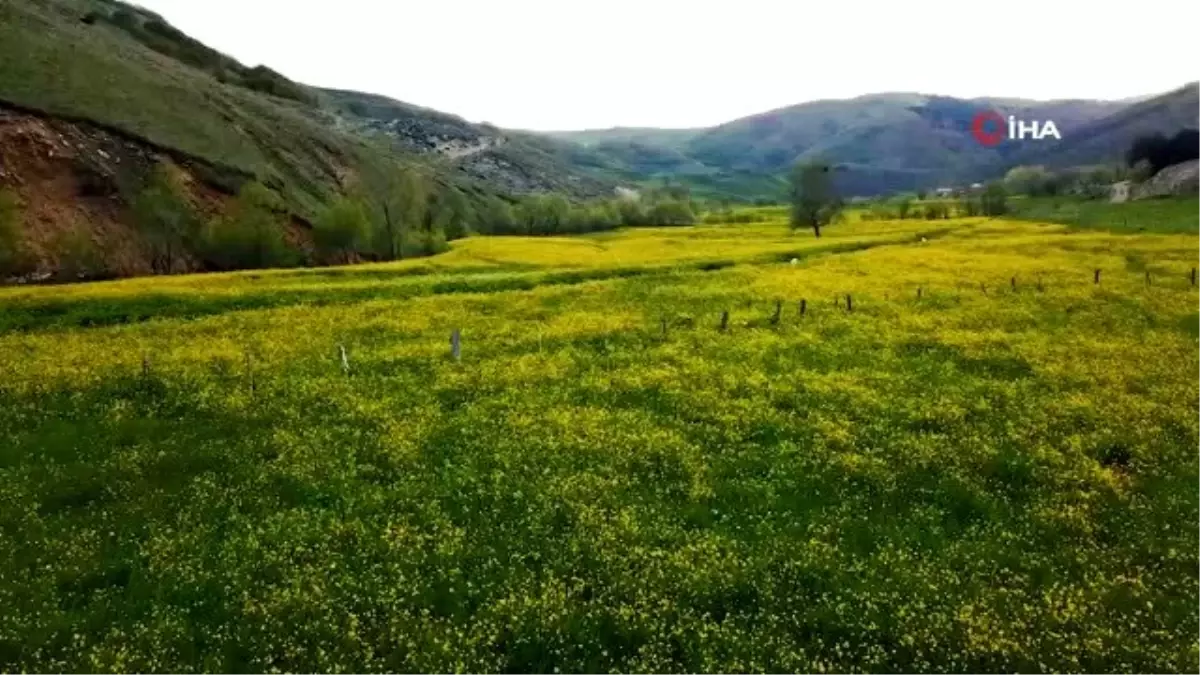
891 141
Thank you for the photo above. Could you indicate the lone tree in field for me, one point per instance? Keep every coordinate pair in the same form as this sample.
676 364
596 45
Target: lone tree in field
815 202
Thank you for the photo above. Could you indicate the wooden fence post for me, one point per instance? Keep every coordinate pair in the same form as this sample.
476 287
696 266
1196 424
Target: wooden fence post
663 322
250 372
918 292
849 303
1014 283
725 320
1147 277
1193 276
778 312
145 365
1097 277
456 344
803 306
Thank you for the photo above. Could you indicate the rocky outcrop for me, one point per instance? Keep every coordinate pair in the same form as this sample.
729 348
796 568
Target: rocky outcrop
1179 179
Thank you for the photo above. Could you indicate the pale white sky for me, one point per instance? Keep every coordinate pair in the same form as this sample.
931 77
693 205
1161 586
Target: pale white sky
572 64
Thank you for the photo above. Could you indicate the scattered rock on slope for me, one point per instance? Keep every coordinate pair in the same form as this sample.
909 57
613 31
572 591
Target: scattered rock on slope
1179 179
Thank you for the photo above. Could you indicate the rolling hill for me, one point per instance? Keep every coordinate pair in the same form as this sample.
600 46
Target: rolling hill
1109 137
893 141
126 68
95 93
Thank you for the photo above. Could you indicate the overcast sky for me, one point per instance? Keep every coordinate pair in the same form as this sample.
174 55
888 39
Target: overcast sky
571 64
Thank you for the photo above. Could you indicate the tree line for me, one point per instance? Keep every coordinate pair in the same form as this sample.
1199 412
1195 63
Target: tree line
815 202
403 214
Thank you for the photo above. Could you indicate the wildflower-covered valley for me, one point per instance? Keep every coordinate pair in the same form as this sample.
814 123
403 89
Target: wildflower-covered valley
967 445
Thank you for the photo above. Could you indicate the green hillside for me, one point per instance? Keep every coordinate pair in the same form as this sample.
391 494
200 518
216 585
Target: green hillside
1108 138
126 69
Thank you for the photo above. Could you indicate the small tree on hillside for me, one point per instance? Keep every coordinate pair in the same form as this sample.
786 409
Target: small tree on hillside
342 228
14 259
250 234
815 202
78 255
164 217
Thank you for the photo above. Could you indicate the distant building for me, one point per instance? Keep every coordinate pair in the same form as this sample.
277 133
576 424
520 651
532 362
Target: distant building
944 192
1119 192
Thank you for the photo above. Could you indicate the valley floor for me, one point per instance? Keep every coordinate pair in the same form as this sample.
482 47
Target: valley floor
967 454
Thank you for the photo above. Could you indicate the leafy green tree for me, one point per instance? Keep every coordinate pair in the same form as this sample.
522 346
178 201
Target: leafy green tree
903 207
544 214
633 212
672 212
814 200
402 207
495 216
14 259
1029 180
250 234
164 217
449 212
342 228
994 200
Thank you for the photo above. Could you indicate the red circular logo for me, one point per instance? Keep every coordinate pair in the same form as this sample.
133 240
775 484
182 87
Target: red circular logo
979 128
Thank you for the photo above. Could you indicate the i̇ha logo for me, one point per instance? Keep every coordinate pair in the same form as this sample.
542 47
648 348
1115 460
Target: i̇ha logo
990 128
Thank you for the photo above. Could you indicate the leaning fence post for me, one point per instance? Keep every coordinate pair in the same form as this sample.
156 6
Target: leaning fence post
1097 277
778 312
456 344
663 325
849 303
345 361
1014 283
918 292
1147 277
803 306
725 320
1193 276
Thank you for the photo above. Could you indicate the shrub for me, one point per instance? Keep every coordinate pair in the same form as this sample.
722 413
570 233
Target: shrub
165 218
250 234
342 228
672 212
14 258
994 201
79 258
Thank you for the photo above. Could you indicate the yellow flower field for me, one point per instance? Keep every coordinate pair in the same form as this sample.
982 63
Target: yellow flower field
986 462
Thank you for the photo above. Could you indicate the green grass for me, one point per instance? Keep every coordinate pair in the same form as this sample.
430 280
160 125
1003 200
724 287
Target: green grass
986 478
1174 214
